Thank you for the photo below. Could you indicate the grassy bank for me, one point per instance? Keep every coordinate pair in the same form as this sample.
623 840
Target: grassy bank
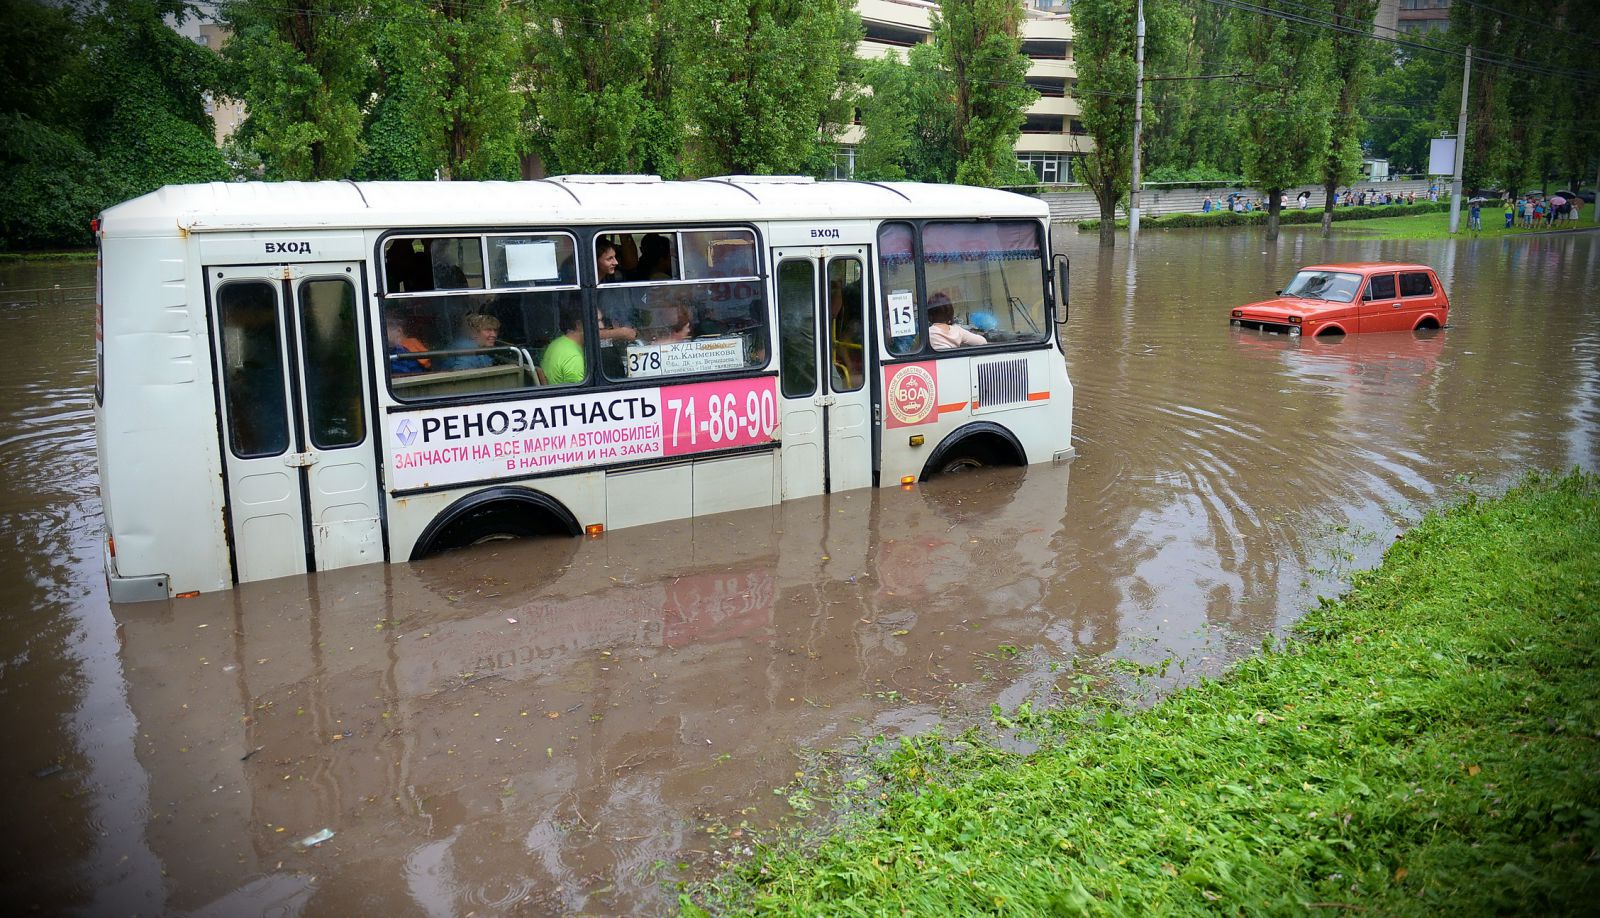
1429 743
1437 226
63 255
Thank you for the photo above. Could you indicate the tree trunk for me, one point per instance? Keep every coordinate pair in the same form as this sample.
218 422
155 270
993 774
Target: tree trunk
1274 204
1330 193
1108 219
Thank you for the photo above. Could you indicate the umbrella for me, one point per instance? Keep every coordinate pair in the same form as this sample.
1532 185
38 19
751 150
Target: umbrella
1478 201
1558 200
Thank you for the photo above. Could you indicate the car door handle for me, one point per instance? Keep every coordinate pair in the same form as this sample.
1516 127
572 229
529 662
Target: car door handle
1395 305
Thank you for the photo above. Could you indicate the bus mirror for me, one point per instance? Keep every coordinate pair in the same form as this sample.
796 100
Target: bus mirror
1063 275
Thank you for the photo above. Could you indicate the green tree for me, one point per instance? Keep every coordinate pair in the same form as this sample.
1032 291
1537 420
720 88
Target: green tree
1104 35
1411 102
1283 132
1533 70
453 63
303 70
980 45
760 82
104 103
1193 132
590 77
1351 71
907 119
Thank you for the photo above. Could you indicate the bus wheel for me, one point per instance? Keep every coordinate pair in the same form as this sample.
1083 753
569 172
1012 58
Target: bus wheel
493 515
962 462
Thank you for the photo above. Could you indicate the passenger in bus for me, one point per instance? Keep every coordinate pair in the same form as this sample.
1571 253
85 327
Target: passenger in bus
614 327
562 362
605 259
655 259
478 331
943 333
401 344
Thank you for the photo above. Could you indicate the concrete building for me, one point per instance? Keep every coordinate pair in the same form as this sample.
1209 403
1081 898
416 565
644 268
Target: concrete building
1419 16
1051 136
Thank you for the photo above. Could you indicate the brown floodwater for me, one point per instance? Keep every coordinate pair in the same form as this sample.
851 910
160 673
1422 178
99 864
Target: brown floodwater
572 726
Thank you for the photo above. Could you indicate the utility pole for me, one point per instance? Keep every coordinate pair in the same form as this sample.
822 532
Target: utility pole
1461 147
1138 126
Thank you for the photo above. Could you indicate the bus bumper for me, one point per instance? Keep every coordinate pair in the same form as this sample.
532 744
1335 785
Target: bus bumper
148 588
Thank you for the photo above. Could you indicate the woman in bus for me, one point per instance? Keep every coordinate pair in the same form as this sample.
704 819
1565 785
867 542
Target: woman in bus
478 332
943 333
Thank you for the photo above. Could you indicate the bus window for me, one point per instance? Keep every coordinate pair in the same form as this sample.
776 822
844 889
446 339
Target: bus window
699 308
796 319
846 337
897 265
333 369
423 264
452 341
992 273
252 369
532 261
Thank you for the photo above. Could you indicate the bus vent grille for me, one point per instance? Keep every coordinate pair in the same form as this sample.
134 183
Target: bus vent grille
1003 382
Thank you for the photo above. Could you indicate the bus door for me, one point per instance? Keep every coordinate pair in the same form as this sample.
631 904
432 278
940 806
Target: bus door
297 442
826 423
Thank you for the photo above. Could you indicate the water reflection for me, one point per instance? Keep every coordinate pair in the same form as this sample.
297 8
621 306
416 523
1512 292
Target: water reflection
525 726
544 726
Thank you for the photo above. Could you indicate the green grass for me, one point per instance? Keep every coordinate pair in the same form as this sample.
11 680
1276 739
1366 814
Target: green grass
1437 226
1428 744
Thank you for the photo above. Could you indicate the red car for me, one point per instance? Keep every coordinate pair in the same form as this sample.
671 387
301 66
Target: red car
1348 298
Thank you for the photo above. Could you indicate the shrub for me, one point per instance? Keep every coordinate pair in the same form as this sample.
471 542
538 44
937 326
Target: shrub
1288 217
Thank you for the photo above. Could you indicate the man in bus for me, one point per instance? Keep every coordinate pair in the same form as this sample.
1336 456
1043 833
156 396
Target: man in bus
562 362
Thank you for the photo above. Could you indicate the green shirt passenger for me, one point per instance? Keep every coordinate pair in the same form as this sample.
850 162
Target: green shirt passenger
563 358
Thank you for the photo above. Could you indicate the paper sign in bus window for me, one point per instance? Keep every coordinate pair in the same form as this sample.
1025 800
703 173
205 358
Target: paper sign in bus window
902 314
697 356
531 261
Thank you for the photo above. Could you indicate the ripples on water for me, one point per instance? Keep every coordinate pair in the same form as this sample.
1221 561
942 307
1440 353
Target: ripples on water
548 727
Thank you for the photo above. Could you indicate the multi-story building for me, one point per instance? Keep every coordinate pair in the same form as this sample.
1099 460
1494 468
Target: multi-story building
204 29
1417 16
1052 136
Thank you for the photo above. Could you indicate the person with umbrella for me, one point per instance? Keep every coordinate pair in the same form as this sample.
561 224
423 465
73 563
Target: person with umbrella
1558 207
1475 214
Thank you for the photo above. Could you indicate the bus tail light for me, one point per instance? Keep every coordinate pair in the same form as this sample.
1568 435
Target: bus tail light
594 530
907 481
111 545
189 595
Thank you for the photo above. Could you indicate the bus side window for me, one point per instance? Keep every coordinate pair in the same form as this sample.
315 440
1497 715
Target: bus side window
252 369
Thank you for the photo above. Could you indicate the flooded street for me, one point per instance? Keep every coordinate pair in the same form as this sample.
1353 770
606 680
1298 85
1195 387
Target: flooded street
570 726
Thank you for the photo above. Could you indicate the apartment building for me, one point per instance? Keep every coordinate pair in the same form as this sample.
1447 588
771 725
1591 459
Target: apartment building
1052 136
203 29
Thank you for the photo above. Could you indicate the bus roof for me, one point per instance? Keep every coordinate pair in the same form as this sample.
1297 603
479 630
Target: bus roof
244 206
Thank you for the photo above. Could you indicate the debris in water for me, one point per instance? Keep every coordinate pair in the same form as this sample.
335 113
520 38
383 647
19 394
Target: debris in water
315 839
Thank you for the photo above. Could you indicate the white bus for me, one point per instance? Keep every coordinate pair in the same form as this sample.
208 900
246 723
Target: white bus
300 377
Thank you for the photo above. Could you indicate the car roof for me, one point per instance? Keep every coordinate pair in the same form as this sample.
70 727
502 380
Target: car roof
1369 266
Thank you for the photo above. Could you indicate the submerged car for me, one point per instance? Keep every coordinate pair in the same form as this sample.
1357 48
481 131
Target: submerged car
1348 298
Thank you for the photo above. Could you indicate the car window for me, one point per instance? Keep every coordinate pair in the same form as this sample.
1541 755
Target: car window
1381 287
1416 283
1335 287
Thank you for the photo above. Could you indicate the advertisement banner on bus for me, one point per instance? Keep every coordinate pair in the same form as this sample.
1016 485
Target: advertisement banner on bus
433 447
